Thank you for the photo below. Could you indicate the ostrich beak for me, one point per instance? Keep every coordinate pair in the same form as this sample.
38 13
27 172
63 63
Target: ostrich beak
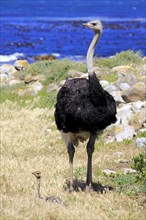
85 24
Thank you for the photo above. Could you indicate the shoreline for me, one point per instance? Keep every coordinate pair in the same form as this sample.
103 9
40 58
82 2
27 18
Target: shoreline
10 59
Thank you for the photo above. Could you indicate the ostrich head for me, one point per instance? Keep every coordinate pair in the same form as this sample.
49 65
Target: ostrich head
37 174
94 25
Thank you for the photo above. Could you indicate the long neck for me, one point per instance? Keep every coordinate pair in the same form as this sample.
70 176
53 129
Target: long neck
90 53
38 188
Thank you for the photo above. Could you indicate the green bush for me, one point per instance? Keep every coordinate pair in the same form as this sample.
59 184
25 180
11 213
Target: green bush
139 164
54 70
123 58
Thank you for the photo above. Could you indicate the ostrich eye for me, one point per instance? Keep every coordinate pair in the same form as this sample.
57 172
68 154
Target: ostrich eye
93 24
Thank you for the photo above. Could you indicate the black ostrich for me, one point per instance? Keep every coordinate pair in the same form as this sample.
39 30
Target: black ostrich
83 109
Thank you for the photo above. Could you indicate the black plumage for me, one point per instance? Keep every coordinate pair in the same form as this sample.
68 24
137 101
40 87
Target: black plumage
83 105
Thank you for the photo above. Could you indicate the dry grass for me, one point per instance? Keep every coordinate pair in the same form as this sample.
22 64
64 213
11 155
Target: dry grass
28 145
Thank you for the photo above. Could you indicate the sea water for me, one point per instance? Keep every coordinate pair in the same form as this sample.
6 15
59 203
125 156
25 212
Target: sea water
35 27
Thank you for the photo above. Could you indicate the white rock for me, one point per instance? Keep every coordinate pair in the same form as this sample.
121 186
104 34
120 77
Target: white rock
108 172
142 130
35 87
14 82
48 130
136 106
117 97
104 83
109 139
144 58
118 154
129 170
143 68
7 69
123 86
3 78
84 75
74 74
111 88
124 132
124 114
123 161
140 142
123 69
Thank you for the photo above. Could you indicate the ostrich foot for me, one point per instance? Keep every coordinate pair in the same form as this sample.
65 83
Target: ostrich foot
71 189
89 188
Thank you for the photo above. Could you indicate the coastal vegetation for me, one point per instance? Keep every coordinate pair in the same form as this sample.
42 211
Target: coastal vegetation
31 142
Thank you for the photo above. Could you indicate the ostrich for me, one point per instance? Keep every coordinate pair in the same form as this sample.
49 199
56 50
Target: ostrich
84 109
52 199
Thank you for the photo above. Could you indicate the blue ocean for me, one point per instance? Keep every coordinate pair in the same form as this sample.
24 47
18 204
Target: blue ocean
36 27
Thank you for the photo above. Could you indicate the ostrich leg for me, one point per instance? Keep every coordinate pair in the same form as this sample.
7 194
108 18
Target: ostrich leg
71 151
90 150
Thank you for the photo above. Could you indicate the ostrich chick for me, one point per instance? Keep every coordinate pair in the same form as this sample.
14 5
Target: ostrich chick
52 199
84 107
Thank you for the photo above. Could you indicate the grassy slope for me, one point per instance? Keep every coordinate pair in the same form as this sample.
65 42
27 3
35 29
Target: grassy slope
27 145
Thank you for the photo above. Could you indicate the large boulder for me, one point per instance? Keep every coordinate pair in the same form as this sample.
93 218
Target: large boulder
140 142
124 114
21 64
7 69
143 69
123 86
52 87
121 69
31 89
35 87
104 83
138 120
4 78
137 106
117 97
14 82
74 74
28 78
135 93
111 88
123 132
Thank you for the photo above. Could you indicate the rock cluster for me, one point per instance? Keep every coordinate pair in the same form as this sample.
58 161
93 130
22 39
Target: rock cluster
128 91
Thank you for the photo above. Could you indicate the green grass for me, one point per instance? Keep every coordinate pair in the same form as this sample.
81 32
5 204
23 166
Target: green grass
54 70
120 59
131 184
110 77
127 184
142 134
41 100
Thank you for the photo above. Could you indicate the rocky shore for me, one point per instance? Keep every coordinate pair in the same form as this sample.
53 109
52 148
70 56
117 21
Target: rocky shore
129 91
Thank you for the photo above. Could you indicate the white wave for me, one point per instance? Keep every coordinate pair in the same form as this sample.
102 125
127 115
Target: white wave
76 57
12 57
56 55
